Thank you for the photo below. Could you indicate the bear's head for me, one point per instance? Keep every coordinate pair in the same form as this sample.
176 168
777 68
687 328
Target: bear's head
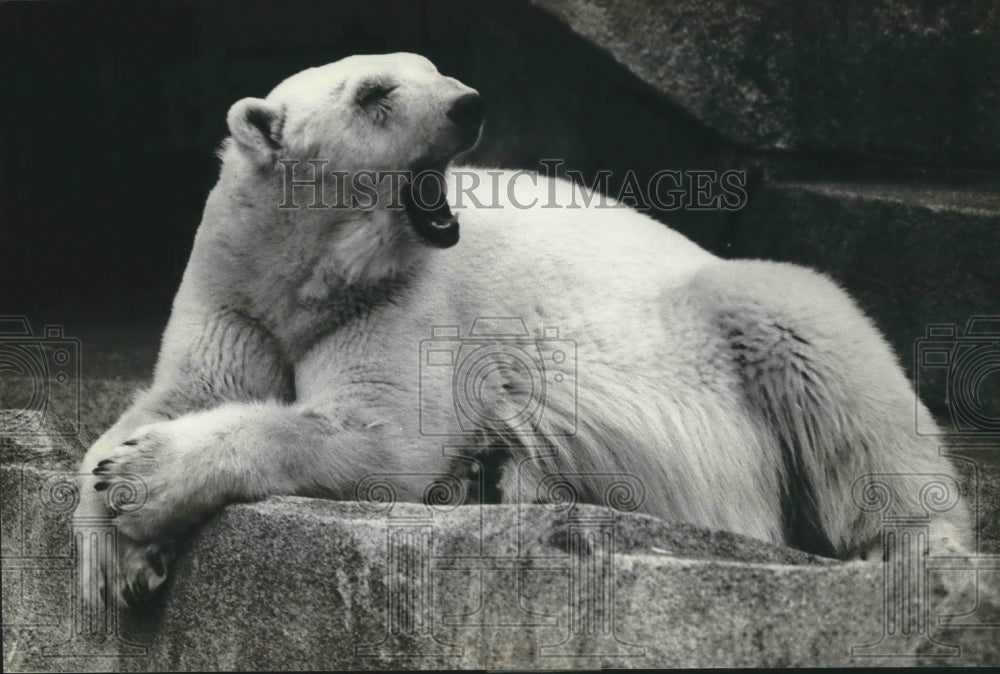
370 124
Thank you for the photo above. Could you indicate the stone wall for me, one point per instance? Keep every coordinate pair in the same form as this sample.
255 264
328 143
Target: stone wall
297 583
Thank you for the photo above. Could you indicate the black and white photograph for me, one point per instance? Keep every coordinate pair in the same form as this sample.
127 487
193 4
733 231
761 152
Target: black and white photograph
350 335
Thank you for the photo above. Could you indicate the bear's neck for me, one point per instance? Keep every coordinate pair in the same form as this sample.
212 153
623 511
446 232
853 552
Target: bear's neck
300 273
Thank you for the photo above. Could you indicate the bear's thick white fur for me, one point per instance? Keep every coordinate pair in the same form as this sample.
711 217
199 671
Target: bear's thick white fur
749 396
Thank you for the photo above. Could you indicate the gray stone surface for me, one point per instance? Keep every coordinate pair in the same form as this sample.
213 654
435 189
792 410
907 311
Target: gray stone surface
296 583
909 80
673 597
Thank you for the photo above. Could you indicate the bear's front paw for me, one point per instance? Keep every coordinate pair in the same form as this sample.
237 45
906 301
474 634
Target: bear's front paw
154 490
139 571
126 572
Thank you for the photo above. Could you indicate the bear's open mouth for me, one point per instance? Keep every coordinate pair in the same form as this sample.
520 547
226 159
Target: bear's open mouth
424 198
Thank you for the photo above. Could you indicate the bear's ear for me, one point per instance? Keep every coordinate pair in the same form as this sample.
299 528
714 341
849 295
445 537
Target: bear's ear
256 125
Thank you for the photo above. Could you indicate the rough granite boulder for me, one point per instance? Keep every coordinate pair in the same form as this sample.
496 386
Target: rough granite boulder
297 583
897 79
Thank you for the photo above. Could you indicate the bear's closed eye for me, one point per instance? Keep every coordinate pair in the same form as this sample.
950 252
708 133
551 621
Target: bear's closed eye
373 93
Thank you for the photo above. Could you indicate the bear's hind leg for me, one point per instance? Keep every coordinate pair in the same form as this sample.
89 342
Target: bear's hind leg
821 379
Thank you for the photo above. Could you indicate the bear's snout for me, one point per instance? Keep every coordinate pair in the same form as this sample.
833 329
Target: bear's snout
467 112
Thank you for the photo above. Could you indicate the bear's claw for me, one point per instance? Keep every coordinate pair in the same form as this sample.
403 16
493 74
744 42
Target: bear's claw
140 571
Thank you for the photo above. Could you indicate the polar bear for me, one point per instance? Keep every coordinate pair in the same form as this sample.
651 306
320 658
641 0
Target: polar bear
328 330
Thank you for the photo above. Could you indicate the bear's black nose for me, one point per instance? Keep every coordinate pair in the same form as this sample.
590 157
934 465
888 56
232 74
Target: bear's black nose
467 112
